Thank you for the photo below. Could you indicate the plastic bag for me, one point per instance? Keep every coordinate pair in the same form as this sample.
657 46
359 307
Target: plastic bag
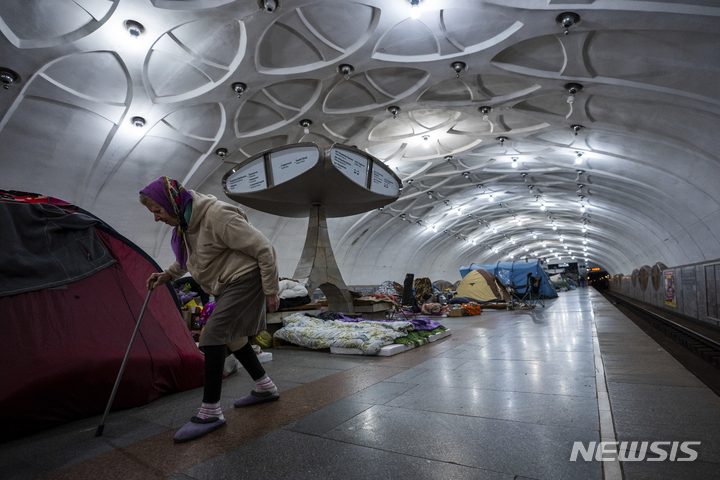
263 339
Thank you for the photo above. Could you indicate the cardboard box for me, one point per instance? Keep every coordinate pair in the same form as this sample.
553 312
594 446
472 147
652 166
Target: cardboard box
459 312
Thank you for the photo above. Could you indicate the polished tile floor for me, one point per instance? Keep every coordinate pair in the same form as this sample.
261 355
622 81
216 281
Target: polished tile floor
504 397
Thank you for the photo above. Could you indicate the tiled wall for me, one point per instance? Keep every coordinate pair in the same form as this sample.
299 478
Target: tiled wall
697 292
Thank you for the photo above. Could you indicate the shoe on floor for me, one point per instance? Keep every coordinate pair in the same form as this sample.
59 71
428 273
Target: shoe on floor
198 427
256 397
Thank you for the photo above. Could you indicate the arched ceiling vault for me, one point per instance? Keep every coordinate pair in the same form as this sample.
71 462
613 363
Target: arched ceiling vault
634 185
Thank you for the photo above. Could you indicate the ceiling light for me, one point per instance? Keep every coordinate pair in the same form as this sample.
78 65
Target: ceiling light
514 162
221 152
485 111
578 159
534 235
554 227
584 229
414 9
585 242
562 239
490 197
138 121
527 249
394 109
135 29
8 77
239 88
459 211
305 123
582 208
458 67
346 70
567 20
544 245
434 227
494 229
576 128
542 207
502 140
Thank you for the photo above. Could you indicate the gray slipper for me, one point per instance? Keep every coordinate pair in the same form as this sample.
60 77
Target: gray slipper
198 427
256 397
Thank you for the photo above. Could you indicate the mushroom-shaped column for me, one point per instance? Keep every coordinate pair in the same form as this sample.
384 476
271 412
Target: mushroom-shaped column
304 180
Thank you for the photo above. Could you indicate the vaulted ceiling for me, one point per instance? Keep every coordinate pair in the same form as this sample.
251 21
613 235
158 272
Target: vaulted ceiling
635 181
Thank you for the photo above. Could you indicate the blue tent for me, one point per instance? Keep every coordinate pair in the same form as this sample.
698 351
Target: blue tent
515 273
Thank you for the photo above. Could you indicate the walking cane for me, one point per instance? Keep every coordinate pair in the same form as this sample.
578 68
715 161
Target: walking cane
101 427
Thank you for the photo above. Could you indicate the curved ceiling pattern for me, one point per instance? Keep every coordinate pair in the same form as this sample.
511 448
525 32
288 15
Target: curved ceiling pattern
634 186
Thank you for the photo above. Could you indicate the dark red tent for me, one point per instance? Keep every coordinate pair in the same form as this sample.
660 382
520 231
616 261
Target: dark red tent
71 290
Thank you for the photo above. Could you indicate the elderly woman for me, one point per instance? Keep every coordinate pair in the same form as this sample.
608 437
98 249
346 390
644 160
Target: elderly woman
231 260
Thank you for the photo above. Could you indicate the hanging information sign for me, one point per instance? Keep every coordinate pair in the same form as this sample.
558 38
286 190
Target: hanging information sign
383 182
291 162
351 165
249 178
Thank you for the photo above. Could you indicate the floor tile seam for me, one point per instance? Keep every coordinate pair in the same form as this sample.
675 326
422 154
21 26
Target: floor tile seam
347 442
520 422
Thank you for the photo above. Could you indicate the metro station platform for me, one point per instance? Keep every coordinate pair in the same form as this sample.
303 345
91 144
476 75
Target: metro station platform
505 397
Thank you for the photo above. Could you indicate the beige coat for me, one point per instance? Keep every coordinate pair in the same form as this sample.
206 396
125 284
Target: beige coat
222 246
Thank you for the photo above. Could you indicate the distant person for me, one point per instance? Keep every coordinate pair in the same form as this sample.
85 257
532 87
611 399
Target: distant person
232 261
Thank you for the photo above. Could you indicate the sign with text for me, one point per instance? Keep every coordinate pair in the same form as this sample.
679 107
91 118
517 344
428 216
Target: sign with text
383 182
351 165
289 163
249 178
669 280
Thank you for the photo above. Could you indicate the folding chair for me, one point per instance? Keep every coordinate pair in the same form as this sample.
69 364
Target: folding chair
528 294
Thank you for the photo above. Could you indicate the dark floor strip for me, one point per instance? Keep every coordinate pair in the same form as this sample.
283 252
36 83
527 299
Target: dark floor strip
158 457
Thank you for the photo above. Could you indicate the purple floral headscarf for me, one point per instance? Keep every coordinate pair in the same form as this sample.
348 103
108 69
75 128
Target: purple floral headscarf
172 196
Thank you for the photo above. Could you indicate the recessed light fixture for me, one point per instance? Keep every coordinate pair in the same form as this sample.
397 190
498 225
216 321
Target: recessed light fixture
8 77
135 29
514 162
346 70
567 20
239 88
138 121
305 123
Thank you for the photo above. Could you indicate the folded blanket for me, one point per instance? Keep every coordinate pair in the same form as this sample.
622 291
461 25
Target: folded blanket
290 289
368 336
